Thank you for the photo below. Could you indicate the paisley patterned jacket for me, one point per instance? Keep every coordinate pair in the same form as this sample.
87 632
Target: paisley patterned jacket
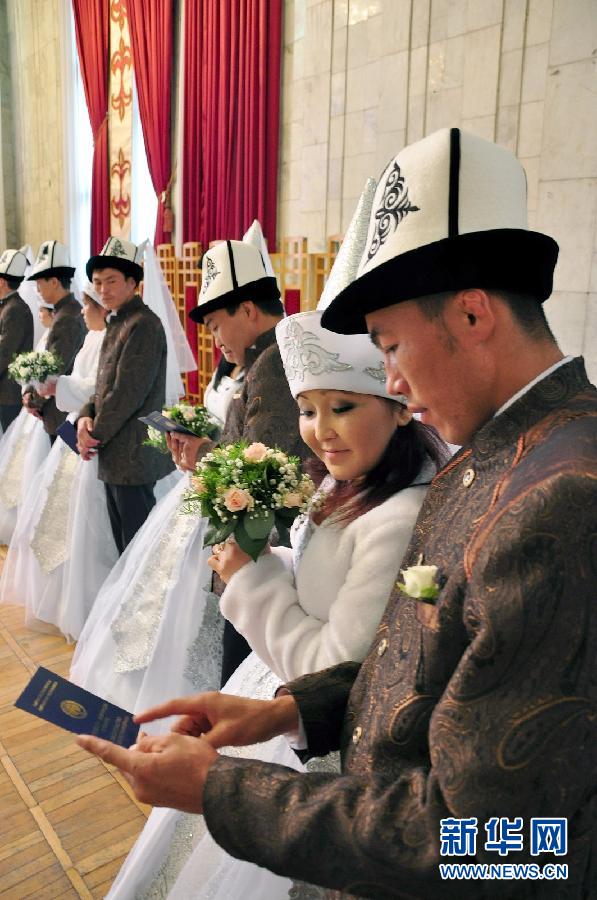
65 338
131 382
482 705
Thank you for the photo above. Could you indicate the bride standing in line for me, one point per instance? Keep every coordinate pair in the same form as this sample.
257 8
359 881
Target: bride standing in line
319 603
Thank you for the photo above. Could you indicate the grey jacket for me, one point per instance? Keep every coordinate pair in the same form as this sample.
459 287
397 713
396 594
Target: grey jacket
16 336
131 382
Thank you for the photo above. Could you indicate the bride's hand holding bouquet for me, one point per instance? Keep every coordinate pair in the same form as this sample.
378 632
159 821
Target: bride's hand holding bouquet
245 491
35 368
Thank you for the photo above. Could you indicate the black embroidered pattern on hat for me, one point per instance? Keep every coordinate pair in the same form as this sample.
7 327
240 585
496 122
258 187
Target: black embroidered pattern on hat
117 249
211 273
394 207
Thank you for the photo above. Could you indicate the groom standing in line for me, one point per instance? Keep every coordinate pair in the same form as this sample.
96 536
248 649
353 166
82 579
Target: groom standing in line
131 382
16 331
472 723
52 273
240 305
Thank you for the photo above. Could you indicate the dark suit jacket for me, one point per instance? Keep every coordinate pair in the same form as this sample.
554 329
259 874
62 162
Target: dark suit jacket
131 382
16 336
65 338
264 409
482 705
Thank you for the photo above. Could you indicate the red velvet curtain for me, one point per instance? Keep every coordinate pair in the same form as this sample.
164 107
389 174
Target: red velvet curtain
150 23
92 30
232 54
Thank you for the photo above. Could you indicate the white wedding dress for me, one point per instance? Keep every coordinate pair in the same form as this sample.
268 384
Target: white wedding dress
33 571
155 630
317 604
23 448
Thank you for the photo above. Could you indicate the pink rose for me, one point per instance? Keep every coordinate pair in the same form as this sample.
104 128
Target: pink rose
236 499
255 453
198 484
292 499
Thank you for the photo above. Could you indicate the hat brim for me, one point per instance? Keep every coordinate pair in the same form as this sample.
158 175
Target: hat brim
128 268
261 289
7 275
56 272
502 259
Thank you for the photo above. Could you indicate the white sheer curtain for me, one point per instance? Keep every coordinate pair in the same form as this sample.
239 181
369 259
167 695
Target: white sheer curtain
144 203
78 151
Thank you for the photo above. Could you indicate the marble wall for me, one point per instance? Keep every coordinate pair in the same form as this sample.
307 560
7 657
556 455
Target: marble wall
363 77
35 37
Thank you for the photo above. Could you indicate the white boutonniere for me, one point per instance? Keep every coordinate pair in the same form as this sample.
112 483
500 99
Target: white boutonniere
420 582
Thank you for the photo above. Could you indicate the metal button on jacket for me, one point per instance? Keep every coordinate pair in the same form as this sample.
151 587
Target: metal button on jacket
356 735
382 647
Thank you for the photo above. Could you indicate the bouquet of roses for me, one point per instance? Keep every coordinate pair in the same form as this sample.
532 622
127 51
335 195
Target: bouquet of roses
245 490
195 419
35 367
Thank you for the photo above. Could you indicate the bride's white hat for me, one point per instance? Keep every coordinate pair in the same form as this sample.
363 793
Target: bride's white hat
315 358
450 212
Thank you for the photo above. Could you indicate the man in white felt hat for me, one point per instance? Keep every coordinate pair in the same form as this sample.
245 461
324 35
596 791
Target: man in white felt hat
469 733
52 274
16 331
131 382
240 304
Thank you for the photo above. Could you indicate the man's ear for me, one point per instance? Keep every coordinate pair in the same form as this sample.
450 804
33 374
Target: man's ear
249 309
472 316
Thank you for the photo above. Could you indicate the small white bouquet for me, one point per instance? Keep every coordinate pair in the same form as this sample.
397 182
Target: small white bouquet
179 419
35 367
246 490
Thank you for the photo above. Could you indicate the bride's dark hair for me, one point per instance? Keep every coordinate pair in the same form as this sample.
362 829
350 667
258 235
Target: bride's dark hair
408 449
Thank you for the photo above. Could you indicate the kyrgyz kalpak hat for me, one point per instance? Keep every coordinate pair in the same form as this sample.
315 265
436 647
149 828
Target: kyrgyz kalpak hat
234 271
118 254
13 264
317 359
450 213
52 261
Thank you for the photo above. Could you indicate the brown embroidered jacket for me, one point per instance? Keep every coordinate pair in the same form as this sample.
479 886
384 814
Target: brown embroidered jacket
65 338
131 382
16 336
482 705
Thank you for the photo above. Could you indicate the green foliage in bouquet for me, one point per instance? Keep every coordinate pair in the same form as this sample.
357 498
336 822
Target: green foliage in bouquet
196 418
156 439
35 366
246 490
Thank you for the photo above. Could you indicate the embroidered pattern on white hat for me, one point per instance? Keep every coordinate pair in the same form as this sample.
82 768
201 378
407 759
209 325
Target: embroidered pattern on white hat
304 353
211 273
117 249
395 205
379 373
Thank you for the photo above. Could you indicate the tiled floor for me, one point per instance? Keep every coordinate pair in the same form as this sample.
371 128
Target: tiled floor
66 819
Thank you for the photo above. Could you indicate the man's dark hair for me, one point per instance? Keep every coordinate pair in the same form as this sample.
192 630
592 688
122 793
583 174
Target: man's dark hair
13 283
65 281
270 307
526 311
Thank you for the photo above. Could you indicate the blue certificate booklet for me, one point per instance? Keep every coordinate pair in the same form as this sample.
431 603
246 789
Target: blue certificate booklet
164 424
64 704
68 432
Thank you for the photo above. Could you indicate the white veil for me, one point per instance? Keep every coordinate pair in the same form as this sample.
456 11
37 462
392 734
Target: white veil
159 299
